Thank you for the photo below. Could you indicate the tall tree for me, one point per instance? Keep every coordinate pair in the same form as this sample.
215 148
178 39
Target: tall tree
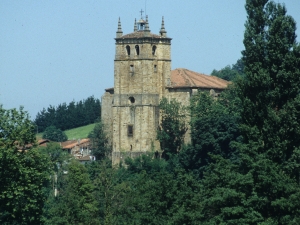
270 109
99 142
172 127
270 93
214 128
23 170
261 187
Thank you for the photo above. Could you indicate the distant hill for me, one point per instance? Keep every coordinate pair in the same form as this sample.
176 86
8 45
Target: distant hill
75 133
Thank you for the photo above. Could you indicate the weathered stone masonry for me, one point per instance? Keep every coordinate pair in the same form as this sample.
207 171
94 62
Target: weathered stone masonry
142 77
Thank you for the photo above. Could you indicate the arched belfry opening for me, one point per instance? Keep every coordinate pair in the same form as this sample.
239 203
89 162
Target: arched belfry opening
137 50
128 50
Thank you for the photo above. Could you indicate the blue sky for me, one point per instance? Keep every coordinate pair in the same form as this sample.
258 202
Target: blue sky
62 50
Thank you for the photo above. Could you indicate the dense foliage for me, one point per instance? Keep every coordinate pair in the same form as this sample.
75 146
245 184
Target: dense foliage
172 128
54 134
99 142
214 129
24 172
230 73
69 116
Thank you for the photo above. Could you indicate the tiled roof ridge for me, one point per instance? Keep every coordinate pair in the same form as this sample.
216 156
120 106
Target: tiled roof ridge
206 78
182 77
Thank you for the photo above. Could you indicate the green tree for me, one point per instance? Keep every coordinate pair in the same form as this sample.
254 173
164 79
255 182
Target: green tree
227 73
159 196
69 116
99 142
230 73
214 128
270 92
172 127
111 187
261 187
75 203
23 170
270 108
54 134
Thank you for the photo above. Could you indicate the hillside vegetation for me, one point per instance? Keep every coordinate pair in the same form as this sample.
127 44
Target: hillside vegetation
75 133
69 116
80 132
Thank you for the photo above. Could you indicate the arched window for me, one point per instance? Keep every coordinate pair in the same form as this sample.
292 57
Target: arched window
137 49
153 50
131 99
128 49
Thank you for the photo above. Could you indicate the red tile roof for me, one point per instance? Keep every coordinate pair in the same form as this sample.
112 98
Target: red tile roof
181 78
73 143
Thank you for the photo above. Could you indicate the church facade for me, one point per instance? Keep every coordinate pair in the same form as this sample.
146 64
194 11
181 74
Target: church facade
142 77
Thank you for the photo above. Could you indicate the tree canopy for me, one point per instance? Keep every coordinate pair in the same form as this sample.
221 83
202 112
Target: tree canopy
23 170
73 115
54 134
99 142
172 128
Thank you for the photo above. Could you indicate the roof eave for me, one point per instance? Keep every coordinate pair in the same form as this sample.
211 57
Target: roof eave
196 87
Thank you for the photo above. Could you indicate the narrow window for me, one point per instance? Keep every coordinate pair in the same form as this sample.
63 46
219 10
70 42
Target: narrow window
128 50
153 50
137 49
130 130
131 69
155 68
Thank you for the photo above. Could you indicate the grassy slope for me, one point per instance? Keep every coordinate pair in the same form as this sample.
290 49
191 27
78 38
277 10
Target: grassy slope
76 133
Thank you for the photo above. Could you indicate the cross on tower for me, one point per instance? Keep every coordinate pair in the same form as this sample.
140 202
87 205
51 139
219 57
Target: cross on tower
141 13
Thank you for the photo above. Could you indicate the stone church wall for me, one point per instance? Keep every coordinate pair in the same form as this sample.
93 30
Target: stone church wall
106 114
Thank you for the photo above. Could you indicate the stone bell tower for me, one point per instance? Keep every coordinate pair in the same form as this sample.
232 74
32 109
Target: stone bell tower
142 68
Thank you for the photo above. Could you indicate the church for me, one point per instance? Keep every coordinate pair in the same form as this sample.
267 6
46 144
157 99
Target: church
142 77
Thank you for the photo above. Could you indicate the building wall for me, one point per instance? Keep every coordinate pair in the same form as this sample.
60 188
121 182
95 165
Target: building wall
139 84
106 114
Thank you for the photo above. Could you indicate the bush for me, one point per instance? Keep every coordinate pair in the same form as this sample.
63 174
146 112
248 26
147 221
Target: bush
54 134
